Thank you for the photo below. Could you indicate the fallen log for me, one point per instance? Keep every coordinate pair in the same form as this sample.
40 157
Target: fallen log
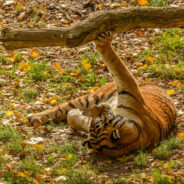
85 31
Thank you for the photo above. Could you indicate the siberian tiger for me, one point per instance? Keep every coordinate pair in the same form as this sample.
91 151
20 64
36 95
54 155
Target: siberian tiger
124 115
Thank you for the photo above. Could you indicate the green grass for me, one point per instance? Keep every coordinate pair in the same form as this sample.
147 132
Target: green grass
164 150
38 71
7 133
75 176
141 159
158 3
30 164
166 50
30 95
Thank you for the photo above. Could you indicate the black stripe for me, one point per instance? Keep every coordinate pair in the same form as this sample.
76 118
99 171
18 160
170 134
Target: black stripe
122 124
138 129
111 94
93 135
123 92
127 108
71 105
87 101
111 120
95 143
102 134
116 122
79 100
102 97
60 111
169 108
97 100
102 139
106 147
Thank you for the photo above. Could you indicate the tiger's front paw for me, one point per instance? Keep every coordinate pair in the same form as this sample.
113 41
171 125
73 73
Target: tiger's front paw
103 39
35 119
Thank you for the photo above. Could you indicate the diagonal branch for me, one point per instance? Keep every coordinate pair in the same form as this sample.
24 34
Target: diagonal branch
85 31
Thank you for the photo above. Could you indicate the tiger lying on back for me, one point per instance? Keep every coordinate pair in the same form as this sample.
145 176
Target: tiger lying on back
124 115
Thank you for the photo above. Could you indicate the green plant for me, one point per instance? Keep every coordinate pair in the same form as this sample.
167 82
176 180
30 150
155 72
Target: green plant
75 176
51 159
160 178
38 72
168 62
18 57
164 150
141 159
92 57
29 95
7 133
30 164
15 146
102 81
157 2
68 148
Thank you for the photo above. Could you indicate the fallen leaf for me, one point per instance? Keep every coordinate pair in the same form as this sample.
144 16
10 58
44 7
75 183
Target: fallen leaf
181 136
9 113
170 92
109 182
150 59
142 2
35 54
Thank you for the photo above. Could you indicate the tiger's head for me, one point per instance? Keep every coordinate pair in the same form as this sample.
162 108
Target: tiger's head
110 134
102 135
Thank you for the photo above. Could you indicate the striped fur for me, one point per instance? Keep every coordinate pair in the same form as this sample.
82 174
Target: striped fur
123 115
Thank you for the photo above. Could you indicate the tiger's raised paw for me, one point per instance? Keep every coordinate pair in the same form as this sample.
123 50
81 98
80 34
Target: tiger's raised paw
103 39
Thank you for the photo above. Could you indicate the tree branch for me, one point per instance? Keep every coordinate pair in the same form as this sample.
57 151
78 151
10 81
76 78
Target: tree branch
87 30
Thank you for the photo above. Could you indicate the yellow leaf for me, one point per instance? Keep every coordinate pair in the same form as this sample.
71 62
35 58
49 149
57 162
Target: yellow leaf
181 135
170 92
21 174
99 6
39 146
84 168
144 66
147 79
150 59
9 113
53 101
142 2
19 7
109 182
69 156
62 171
177 69
92 89
61 72
35 54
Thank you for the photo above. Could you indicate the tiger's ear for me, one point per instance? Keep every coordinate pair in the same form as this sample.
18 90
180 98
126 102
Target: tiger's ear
115 135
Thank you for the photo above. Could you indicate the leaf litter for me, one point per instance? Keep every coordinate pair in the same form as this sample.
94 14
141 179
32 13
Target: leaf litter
46 153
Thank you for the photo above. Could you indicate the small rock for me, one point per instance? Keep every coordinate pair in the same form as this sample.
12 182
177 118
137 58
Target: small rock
114 5
146 75
7 3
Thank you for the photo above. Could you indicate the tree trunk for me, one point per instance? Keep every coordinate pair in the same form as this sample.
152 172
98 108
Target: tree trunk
85 31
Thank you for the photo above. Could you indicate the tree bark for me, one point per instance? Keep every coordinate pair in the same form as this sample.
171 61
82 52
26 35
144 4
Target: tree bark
85 31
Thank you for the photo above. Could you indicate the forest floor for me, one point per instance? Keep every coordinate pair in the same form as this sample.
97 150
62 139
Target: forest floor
35 79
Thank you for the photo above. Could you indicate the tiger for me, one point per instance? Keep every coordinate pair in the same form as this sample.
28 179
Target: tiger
121 116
